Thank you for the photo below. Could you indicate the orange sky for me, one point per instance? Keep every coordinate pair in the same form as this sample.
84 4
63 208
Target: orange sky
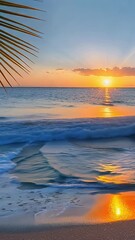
41 77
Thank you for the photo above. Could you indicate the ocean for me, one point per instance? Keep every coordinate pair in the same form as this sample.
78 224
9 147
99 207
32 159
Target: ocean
59 146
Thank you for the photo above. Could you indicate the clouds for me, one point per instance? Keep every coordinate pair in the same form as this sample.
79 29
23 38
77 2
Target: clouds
59 69
114 72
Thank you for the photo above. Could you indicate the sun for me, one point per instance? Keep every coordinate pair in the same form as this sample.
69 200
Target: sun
107 82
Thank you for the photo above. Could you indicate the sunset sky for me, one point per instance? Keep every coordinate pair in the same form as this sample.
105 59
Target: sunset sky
81 37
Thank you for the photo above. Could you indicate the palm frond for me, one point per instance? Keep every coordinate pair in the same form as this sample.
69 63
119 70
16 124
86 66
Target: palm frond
15 50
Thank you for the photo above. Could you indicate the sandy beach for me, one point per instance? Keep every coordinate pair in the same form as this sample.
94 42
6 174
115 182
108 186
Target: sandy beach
111 231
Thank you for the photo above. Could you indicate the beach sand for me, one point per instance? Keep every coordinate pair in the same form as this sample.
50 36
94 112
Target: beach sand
112 217
110 231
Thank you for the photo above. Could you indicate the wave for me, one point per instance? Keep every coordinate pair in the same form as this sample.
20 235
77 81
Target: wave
95 187
55 130
6 163
3 118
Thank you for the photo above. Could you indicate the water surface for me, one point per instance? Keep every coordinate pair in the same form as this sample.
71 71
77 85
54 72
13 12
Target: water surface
58 146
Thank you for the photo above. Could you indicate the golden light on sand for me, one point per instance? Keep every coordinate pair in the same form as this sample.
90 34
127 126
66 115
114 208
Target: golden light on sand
121 208
118 211
115 207
107 82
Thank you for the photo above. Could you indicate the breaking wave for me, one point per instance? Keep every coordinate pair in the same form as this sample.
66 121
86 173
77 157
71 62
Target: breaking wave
55 130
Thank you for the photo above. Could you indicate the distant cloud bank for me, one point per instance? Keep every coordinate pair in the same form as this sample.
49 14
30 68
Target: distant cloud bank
114 72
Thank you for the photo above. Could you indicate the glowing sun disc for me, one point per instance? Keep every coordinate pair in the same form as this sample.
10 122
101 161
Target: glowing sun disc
107 82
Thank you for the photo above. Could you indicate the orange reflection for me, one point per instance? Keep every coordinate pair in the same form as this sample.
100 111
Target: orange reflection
107 112
120 210
117 176
109 167
107 97
113 208
91 111
78 111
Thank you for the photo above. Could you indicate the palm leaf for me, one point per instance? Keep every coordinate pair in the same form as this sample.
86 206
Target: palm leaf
14 49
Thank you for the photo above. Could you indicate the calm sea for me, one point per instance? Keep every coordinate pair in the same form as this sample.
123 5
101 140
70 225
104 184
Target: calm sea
40 148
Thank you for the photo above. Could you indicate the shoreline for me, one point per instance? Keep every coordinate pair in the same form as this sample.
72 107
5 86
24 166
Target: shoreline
120 227
120 230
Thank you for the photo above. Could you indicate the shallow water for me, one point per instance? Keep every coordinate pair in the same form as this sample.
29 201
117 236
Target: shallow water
62 145
100 166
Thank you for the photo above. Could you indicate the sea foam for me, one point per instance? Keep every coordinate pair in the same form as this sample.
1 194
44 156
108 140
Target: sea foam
6 163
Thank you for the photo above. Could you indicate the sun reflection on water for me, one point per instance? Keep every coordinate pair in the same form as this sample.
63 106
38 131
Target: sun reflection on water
107 97
114 174
107 109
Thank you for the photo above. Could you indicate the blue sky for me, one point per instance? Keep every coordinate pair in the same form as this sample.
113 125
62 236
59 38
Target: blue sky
88 33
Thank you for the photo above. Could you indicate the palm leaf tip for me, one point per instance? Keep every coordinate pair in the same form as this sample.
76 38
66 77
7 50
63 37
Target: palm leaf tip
15 50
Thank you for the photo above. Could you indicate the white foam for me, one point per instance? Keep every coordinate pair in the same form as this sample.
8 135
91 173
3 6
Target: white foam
6 163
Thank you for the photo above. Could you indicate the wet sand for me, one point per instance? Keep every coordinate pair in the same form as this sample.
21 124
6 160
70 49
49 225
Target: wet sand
110 231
